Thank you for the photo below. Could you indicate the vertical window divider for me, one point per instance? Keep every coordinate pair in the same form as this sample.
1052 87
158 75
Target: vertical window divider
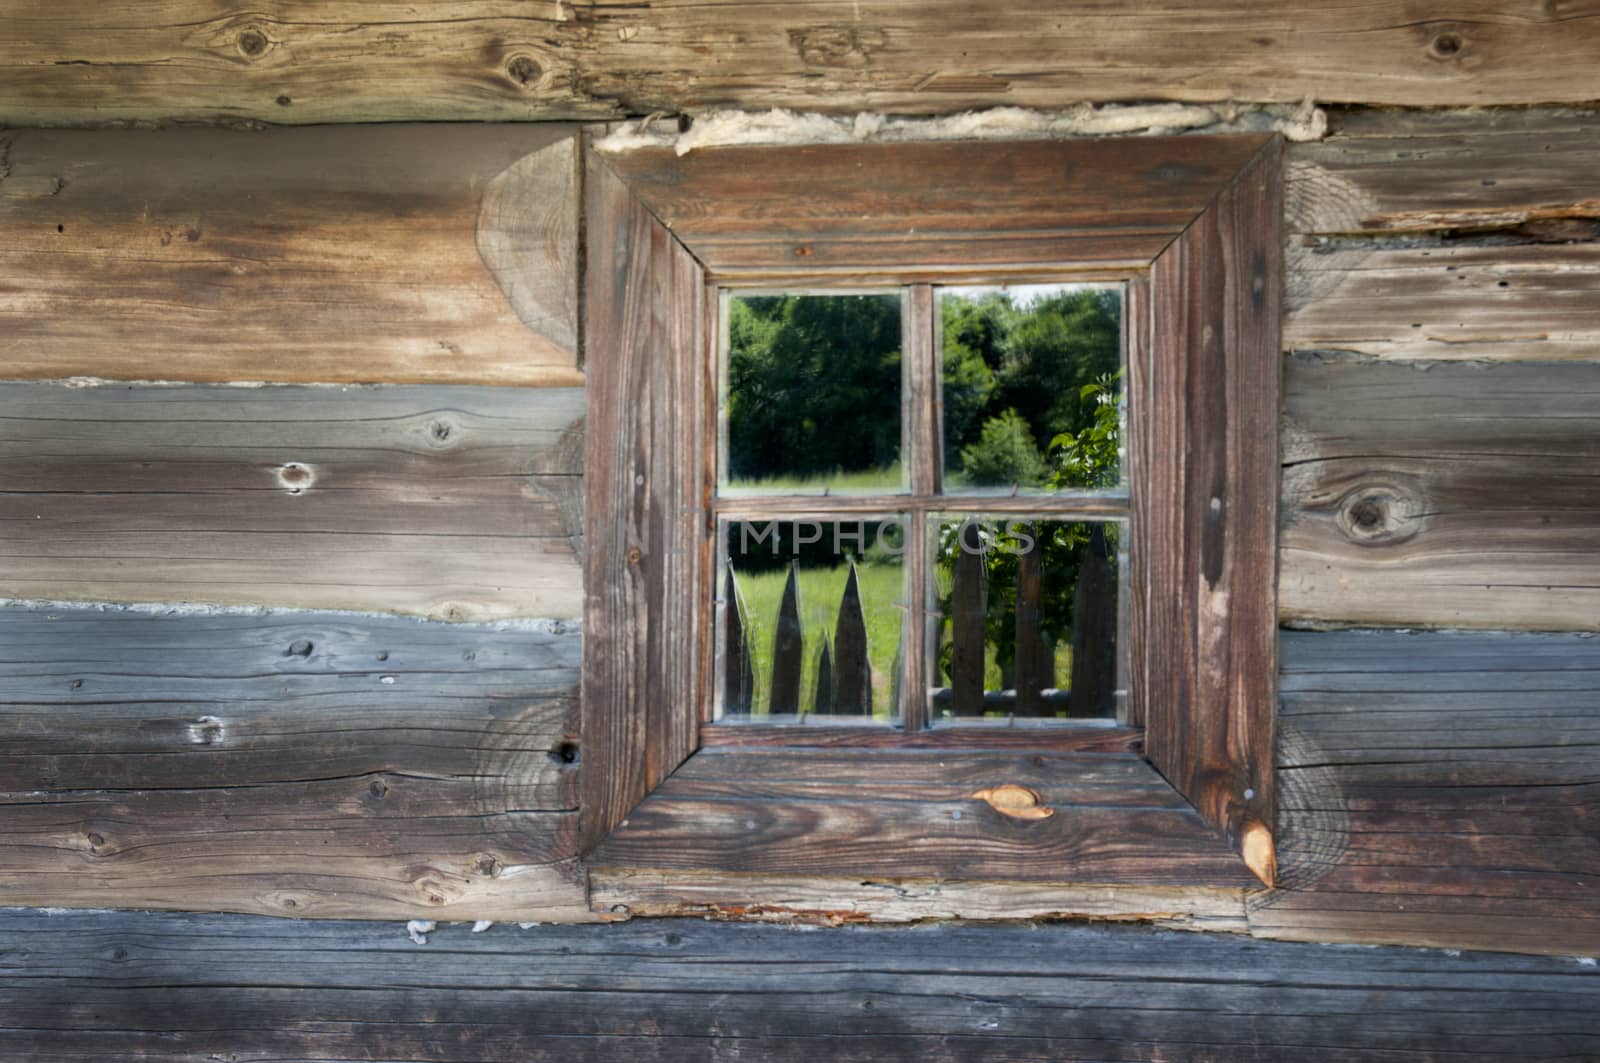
922 453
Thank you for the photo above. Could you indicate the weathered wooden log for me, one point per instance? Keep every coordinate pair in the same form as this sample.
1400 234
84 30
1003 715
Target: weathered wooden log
498 60
294 764
1436 788
103 985
453 503
1453 495
376 254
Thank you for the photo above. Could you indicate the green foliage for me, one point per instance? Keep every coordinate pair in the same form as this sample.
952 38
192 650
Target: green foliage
813 384
1092 456
1004 454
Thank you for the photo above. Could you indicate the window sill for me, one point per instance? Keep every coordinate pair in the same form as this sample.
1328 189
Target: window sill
917 813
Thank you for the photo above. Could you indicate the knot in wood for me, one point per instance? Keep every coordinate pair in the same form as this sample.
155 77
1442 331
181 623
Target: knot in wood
524 70
253 44
1018 802
1379 515
295 477
1445 46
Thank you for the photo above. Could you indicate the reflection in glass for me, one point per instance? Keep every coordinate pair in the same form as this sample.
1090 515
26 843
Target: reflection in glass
812 393
810 618
1026 617
1032 387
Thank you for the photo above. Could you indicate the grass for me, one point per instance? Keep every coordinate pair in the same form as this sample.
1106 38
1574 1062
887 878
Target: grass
882 592
858 481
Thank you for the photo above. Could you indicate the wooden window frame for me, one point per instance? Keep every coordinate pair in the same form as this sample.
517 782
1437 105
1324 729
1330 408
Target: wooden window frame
1191 226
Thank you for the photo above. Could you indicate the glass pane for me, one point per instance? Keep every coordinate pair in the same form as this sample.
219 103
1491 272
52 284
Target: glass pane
1026 618
1032 378
809 620
812 393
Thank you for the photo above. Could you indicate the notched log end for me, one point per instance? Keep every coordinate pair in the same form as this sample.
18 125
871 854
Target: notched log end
1260 855
1018 802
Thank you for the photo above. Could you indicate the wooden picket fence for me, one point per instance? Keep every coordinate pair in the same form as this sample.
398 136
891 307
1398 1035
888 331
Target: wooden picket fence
844 670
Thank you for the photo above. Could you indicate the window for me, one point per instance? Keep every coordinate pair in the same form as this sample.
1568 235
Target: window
1183 234
993 444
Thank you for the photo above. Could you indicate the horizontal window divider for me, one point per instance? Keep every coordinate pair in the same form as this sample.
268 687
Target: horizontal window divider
1062 736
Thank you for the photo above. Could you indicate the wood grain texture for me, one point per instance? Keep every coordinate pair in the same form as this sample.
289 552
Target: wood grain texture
1209 400
1388 172
1446 300
850 207
1438 789
917 814
298 764
1451 495
80 61
381 254
188 988
647 560
456 503
837 900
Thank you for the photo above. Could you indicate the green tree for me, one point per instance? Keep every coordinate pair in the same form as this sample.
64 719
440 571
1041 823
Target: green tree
813 384
1004 454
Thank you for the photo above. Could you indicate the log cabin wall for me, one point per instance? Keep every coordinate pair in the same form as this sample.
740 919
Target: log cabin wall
293 421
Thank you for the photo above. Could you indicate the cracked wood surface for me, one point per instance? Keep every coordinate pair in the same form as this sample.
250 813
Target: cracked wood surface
301 764
1447 236
1438 788
87 61
1440 494
194 988
449 502
372 254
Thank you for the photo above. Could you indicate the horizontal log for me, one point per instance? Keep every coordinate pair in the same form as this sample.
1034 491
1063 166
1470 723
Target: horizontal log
381 254
458 503
298 764
188 988
1534 302
1101 818
1456 495
1437 789
80 61
1383 172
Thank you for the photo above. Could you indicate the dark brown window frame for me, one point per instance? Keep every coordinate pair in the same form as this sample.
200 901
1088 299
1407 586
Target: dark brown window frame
1191 226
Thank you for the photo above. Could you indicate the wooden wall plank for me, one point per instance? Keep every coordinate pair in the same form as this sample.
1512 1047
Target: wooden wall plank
304 764
1447 236
1444 300
1438 789
644 500
1208 403
398 254
1394 172
1453 495
82 61
457 503
187 988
